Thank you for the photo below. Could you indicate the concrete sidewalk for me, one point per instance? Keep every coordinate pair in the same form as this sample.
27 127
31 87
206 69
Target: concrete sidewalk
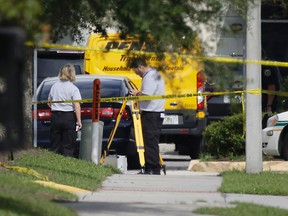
177 193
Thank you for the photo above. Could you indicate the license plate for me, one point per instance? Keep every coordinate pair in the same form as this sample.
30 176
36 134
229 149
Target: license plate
170 120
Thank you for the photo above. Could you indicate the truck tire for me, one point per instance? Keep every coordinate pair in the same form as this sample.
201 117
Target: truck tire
190 145
196 147
284 148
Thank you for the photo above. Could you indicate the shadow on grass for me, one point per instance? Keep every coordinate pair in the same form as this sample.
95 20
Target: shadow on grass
17 206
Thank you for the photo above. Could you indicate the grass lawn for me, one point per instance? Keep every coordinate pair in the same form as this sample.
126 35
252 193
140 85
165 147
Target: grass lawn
265 183
20 196
243 209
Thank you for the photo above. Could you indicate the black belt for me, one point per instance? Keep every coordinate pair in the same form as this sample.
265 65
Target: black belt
62 111
150 112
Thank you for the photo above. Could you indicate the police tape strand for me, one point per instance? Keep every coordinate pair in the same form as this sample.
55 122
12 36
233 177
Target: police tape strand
25 170
243 116
204 58
170 96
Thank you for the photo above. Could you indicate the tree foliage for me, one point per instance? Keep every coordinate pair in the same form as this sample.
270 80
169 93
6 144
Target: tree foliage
169 22
24 14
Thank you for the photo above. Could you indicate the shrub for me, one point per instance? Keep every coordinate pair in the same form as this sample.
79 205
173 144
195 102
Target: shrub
225 138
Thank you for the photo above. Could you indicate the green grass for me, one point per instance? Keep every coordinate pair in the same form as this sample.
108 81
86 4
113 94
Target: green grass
265 183
65 170
20 196
241 209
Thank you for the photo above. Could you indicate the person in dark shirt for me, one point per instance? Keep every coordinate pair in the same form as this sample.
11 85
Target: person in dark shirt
271 79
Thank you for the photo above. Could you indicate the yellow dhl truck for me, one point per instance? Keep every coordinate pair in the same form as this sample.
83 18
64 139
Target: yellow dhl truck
185 118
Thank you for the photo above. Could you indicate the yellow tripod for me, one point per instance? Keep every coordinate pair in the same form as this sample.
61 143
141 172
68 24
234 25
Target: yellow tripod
111 136
138 135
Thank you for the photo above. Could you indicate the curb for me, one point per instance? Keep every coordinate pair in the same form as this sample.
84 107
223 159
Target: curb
61 187
197 166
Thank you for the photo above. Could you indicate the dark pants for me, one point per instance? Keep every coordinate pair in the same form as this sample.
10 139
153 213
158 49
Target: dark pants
151 126
63 133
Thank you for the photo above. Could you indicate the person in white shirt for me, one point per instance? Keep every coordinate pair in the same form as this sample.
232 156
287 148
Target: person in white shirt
66 117
152 84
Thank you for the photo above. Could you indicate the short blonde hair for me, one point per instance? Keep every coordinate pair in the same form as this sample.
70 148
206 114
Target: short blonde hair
67 72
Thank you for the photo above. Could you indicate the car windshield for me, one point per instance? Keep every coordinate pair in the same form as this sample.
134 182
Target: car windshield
108 87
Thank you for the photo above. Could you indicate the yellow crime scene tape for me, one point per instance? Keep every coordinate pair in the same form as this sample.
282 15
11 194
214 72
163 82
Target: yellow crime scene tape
25 170
157 97
243 61
204 58
170 96
43 179
139 98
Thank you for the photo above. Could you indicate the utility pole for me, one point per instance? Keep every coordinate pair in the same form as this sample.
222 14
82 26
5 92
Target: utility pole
253 81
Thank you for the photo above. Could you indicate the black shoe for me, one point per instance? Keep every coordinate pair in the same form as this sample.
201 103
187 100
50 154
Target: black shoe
152 172
141 172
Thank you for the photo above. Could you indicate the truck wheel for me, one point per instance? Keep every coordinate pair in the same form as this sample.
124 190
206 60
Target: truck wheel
196 147
284 150
182 149
190 145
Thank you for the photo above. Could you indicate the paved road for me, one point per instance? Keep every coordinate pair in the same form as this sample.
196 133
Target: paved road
173 160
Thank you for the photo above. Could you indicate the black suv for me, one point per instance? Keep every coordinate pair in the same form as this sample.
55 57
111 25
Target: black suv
49 62
229 80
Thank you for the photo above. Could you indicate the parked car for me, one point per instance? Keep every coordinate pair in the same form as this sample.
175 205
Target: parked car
220 106
275 136
111 86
